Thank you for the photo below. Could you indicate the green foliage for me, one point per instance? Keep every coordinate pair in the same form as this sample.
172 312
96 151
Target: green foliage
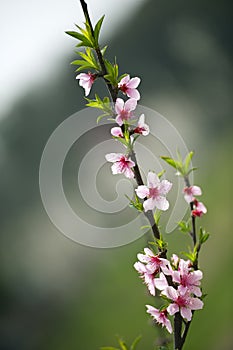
112 73
104 105
203 235
185 226
86 36
137 204
88 61
162 245
183 167
123 345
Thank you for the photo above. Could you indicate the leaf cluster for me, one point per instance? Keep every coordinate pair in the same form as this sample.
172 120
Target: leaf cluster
87 36
123 345
88 61
182 166
104 105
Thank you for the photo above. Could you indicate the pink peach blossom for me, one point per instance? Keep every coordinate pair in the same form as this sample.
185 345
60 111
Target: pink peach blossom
129 86
146 276
124 110
153 262
160 316
155 191
142 127
188 279
182 302
199 209
191 192
86 80
122 164
117 132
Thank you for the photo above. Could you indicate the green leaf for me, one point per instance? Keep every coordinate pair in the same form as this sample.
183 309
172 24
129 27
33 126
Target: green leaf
75 35
135 342
97 29
188 161
135 203
161 173
184 226
171 162
122 344
109 348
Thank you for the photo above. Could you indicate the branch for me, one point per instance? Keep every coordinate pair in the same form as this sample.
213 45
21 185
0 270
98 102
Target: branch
113 93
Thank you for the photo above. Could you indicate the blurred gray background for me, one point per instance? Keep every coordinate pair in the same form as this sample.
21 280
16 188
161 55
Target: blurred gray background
56 294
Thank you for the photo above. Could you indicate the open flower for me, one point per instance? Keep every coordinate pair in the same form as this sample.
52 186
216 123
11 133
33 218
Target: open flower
160 316
122 164
129 86
124 109
153 262
199 209
182 302
187 278
117 132
142 127
155 191
190 193
86 80
146 276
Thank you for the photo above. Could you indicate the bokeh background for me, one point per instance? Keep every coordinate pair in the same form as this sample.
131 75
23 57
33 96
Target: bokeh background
56 294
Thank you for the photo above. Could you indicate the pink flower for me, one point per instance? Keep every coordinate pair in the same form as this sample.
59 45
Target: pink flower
161 282
117 132
199 209
182 301
190 192
146 276
142 128
124 109
155 192
188 279
129 86
153 262
122 164
160 316
86 81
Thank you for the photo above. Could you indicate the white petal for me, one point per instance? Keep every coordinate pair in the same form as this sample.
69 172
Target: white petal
130 105
152 180
133 83
149 204
113 157
161 203
119 105
142 191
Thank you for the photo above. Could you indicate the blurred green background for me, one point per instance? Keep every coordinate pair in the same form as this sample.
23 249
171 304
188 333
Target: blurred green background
56 294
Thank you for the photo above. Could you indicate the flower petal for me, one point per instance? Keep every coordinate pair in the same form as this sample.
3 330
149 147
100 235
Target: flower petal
149 204
119 105
133 93
152 180
165 187
130 105
133 83
113 157
161 203
142 191
186 313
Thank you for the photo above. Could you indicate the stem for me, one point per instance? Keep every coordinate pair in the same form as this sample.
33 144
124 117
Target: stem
194 235
113 91
177 331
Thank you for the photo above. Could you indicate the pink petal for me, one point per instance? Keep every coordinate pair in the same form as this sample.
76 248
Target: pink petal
171 293
201 207
165 187
116 168
129 173
124 80
133 83
188 197
142 191
161 203
196 304
130 105
161 282
168 325
141 120
117 132
186 313
113 157
149 204
140 267
152 180
196 190
133 93
119 120
119 105
172 309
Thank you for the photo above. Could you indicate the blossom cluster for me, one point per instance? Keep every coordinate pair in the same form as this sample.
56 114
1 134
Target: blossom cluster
189 195
177 281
